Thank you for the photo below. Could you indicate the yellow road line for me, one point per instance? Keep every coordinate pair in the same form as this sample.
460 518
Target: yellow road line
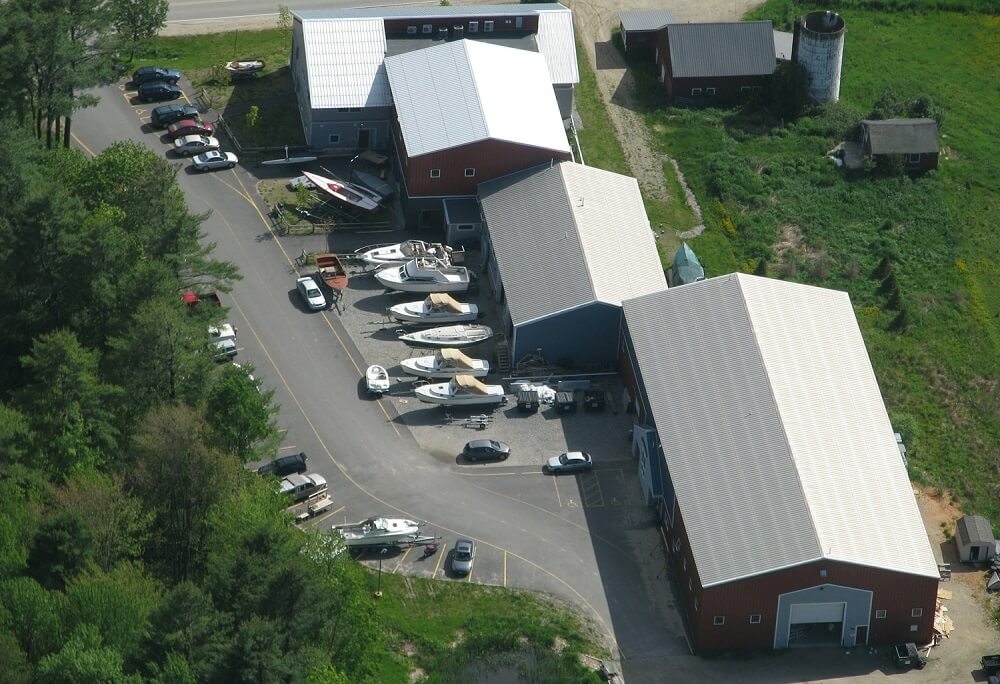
505 568
441 554
82 144
316 521
402 558
556 486
469 576
527 472
286 448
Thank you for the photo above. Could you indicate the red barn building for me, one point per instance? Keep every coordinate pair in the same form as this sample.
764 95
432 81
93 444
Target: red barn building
640 30
763 440
466 112
915 139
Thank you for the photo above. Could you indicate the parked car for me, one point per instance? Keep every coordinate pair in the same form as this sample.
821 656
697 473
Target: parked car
157 91
486 450
569 462
179 129
461 560
285 465
224 339
301 487
148 74
210 161
311 294
164 115
195 144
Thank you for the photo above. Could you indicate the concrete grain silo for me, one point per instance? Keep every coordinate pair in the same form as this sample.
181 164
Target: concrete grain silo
818 45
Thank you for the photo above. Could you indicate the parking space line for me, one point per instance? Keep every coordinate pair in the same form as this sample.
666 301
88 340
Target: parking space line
590 490
505 567
286 448
556 486
468 577
441 555
402 558
316 521
527 472
82 144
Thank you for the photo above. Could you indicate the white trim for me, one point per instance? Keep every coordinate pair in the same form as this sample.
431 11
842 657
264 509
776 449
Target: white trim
884 612
917 612
777 614
718 620
758 616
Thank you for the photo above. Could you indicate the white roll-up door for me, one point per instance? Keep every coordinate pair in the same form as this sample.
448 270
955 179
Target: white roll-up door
816 612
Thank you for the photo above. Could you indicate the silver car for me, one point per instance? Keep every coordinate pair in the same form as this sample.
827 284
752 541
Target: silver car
570 462
215 160
465 553
311 294
195 144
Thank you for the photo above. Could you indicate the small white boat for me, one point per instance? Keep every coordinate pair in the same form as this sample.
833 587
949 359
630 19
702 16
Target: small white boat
344 192
424 274
439 307
449 336
248 65
401 252
461 390
446 363
377 531
377 380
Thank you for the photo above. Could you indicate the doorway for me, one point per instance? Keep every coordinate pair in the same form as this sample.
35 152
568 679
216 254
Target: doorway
861 635
364 138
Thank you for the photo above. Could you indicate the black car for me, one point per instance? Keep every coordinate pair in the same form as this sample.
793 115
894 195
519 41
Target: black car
148 74
486 450
285 465
165 115
158 90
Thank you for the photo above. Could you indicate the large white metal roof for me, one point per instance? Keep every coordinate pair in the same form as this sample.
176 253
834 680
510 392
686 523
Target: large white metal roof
773 428
557 43
464 91
344 60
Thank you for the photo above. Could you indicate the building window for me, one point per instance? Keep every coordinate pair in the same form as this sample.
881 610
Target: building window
710 91
695 91
488 25
914 158
913 628
519 22
411 30
755 90
755 619
470 172
335 138
473 27
822 572
917 612
427 28
465 227
435 173
880 614
719 620
744 90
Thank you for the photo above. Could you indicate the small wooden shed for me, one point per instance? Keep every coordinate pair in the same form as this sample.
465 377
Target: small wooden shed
974 539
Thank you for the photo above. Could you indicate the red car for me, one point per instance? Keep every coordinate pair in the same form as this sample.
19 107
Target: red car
190 127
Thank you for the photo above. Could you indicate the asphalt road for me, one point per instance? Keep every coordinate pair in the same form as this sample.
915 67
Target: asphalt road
371 461
195 11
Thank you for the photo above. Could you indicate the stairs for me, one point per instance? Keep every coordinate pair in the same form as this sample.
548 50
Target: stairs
503 354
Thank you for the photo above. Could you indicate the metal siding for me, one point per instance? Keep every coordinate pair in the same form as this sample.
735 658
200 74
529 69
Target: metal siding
742 48
644 20
464 91
749 393
344 58
902 136
509 10
564 100
557 42
585 336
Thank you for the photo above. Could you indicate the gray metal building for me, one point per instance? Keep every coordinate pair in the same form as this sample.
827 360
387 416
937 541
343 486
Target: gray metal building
974 539
564 245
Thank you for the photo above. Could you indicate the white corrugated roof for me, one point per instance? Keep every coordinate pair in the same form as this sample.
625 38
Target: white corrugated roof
465 91
557 42
774 430
345 58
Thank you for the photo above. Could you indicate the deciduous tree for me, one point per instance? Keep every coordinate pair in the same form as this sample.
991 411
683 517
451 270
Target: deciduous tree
136 22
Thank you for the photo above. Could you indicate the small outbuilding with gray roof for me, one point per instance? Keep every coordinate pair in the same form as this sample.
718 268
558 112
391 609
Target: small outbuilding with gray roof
719 60
788 514
564 245
916 140
974 539
639 29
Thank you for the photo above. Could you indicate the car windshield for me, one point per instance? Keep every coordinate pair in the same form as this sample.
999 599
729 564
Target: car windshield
564 459
463 553
312 292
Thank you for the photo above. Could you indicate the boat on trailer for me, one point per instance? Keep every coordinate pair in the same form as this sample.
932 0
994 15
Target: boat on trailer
377 531
401 252
424 275
438 307
344 192
446 363
449 336
461 390
377 380
246 66
332 271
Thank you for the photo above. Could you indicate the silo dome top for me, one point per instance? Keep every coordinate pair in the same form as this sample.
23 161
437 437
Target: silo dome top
824 22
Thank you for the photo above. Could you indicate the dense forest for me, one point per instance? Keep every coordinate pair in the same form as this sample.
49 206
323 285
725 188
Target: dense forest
133 542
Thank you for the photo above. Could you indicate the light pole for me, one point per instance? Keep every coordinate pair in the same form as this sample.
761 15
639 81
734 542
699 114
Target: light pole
381 555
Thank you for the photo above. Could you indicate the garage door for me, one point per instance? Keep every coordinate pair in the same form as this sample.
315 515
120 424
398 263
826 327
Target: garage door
816 612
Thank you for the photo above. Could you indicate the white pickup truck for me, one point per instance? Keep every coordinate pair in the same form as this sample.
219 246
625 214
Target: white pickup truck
301 487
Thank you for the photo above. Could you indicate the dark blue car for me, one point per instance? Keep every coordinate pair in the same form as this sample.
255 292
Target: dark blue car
164 115
148 74
158 91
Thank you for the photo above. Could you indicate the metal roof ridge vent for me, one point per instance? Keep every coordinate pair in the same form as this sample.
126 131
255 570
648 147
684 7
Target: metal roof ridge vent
465 43
563 169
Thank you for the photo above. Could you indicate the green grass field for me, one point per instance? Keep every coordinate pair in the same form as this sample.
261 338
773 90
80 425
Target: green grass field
769 193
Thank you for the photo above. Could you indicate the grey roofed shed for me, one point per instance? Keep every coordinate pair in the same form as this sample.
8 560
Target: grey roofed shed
644 20
974 539
742 48
902 136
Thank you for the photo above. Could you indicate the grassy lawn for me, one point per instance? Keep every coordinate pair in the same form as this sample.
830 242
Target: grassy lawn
458 631
769 194
200 57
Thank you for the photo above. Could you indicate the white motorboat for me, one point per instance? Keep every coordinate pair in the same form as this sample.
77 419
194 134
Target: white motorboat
439 307
377 380
449 336
424 274
401 252
377 531
461 390
446 363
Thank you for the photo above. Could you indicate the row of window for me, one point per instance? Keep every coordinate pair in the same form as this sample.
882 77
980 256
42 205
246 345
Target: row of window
879 615
469 173
472 26
744 90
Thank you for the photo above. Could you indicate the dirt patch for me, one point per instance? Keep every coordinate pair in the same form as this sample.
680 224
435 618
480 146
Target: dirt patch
457 641
417 675
789 239
409 649
559 644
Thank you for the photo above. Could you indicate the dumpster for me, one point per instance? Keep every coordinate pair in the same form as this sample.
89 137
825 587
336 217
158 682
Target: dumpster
565 402
527 401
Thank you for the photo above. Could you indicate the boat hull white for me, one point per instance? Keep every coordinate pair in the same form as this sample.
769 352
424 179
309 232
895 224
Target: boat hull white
425 367
420 313
456 336
444 394
377 380
401 252
389 277
377 531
